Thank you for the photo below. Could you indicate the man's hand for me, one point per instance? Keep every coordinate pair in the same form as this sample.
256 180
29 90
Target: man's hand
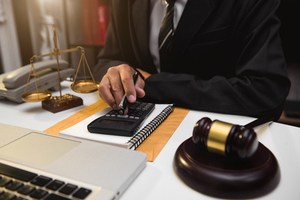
117 82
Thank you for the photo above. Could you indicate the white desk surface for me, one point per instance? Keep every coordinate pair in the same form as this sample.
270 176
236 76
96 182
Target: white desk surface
158 180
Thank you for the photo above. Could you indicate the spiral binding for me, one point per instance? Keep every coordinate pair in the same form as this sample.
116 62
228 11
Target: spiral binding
140 136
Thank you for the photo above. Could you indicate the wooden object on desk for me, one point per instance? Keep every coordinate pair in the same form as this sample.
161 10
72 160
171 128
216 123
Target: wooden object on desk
151 146
59 103
223 177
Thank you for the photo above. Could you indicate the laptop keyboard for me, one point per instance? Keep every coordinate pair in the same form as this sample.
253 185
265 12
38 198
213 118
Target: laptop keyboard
18 184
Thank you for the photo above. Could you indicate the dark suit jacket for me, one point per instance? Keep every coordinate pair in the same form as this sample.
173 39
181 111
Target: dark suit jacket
227 55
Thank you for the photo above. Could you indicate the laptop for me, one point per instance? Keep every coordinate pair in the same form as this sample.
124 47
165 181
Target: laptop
36 165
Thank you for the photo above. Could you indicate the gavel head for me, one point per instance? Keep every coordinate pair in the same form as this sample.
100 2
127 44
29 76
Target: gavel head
225 138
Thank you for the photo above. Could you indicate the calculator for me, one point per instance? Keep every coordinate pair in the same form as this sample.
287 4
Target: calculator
113 123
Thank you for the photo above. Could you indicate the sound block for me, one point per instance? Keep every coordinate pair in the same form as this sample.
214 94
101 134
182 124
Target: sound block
219 176
59 103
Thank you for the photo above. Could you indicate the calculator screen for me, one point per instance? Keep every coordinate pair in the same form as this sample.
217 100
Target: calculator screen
116 124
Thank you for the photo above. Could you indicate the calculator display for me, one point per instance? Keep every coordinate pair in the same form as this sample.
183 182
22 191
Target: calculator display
111 123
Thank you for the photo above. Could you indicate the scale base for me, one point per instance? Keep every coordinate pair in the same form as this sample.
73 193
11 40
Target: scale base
60 103
223 177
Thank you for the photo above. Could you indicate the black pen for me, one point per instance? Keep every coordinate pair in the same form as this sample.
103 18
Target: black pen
124 102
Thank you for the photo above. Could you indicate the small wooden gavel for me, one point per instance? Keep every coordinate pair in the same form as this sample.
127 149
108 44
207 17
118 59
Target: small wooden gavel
225 138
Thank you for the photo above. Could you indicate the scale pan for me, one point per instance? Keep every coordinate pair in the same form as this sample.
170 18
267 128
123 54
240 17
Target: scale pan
36 96
84 86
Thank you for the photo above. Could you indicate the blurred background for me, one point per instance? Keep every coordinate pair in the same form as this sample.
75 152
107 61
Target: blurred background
26 29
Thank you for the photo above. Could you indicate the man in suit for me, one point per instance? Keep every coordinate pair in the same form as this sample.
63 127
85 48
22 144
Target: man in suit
225 57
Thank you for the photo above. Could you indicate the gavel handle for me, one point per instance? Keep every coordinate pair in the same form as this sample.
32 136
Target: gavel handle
259 121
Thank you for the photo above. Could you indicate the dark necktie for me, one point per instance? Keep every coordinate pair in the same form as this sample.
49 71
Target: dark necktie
166 30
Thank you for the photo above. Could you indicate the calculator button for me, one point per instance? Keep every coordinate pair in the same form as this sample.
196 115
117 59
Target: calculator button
122 116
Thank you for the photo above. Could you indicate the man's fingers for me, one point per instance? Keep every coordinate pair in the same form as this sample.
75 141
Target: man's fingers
105 92
119 81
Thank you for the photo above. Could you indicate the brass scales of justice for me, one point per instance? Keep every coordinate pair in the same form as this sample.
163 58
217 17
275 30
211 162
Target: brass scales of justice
66 101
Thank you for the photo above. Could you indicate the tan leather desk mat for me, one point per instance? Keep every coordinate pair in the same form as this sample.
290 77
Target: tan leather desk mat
151 146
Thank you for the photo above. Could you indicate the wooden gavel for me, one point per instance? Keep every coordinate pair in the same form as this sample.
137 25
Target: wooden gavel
225 138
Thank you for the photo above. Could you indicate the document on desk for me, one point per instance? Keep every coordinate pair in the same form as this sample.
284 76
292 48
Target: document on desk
159 114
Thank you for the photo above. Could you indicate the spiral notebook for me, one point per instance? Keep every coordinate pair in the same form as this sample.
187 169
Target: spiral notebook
160 113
